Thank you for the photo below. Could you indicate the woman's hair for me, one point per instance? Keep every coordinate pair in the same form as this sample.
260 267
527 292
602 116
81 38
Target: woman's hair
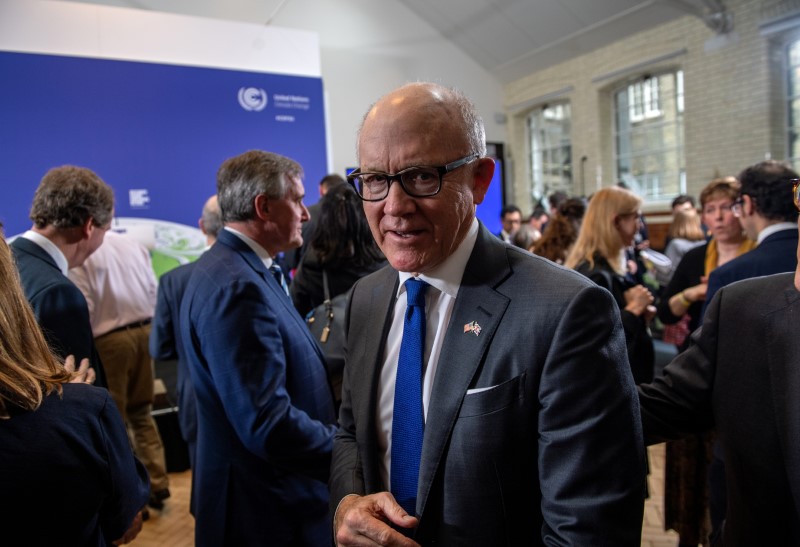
723 187
342 232
28 369
686 225
561 231
599 235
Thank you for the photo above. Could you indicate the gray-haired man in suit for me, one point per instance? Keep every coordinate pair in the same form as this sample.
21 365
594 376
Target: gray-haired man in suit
530 433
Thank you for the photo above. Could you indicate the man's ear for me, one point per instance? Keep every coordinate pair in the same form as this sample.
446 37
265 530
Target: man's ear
262 206
482 177
748 205
87 228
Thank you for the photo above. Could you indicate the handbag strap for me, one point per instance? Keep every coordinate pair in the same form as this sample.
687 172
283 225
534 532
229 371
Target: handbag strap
325 289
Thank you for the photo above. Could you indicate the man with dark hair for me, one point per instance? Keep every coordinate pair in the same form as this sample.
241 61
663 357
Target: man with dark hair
767 218
71 213
741 379
511 217
487 397
265 413
683 202
555 200
538 219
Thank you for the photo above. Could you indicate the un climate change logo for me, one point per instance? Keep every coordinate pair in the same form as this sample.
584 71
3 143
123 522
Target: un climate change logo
252 99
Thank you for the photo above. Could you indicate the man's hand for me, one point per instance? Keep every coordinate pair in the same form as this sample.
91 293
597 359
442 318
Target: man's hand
367 520
132 531
85 375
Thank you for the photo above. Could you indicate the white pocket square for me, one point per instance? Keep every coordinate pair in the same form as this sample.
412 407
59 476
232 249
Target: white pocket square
479 389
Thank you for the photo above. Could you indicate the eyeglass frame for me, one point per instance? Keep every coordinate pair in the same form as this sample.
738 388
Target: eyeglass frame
441 170
736 206
796 192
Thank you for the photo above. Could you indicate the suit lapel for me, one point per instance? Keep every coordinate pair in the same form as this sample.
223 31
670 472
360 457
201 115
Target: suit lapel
463 350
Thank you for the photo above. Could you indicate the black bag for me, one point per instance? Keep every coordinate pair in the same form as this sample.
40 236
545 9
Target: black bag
326 323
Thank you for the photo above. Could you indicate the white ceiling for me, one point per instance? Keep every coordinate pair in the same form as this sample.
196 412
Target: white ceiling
508 38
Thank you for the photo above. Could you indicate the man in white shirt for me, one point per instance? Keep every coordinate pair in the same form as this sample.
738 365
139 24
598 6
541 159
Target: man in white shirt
120 289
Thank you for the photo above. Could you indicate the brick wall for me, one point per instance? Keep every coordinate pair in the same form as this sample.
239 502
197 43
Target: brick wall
733 91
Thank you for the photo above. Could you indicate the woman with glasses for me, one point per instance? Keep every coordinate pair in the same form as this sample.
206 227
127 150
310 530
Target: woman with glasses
685 490
609 227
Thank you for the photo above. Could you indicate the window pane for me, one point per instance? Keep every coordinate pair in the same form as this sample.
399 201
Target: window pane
549 129
649 136
793 97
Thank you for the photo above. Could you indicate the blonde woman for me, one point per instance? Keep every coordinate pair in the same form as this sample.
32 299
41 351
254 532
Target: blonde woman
611 222
67 473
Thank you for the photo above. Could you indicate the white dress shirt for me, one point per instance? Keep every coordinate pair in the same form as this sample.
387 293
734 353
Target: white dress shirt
444 281
253 244
118 282
772 228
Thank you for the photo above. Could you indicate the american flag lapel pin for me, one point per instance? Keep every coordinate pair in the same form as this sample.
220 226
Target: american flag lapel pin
472 327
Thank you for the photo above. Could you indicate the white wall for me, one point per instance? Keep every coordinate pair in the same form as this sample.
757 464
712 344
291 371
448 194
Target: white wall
85 30
364 48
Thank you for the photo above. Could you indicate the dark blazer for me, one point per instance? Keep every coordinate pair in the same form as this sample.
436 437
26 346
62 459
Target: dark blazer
639 343
307 288
67 473
741 377
776 254
552 453
59 305
264 406
165 345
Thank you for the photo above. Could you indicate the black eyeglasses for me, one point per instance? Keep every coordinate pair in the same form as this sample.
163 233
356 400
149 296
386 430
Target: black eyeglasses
417 182
796 192
736 208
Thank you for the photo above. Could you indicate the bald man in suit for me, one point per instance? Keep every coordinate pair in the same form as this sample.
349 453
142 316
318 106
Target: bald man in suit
518 385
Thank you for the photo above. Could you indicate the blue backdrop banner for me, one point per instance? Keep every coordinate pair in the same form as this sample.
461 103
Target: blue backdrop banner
156 133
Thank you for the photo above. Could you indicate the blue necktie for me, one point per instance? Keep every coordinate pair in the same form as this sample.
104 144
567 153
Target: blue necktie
277 273
408 422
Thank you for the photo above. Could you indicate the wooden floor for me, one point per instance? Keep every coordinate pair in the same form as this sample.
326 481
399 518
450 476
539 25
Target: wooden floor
174 526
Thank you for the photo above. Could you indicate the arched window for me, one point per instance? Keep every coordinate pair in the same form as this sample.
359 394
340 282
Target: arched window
549 130
793 94
648 134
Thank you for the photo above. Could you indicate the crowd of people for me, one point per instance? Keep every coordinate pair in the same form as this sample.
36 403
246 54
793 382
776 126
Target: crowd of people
497 389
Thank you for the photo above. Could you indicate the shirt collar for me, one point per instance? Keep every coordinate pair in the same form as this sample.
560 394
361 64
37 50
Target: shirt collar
447 276
260 251
50 248
772 228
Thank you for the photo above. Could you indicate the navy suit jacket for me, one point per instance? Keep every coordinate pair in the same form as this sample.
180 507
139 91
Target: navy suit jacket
741 378
548 450
59 305
776 254
264 405
165 345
